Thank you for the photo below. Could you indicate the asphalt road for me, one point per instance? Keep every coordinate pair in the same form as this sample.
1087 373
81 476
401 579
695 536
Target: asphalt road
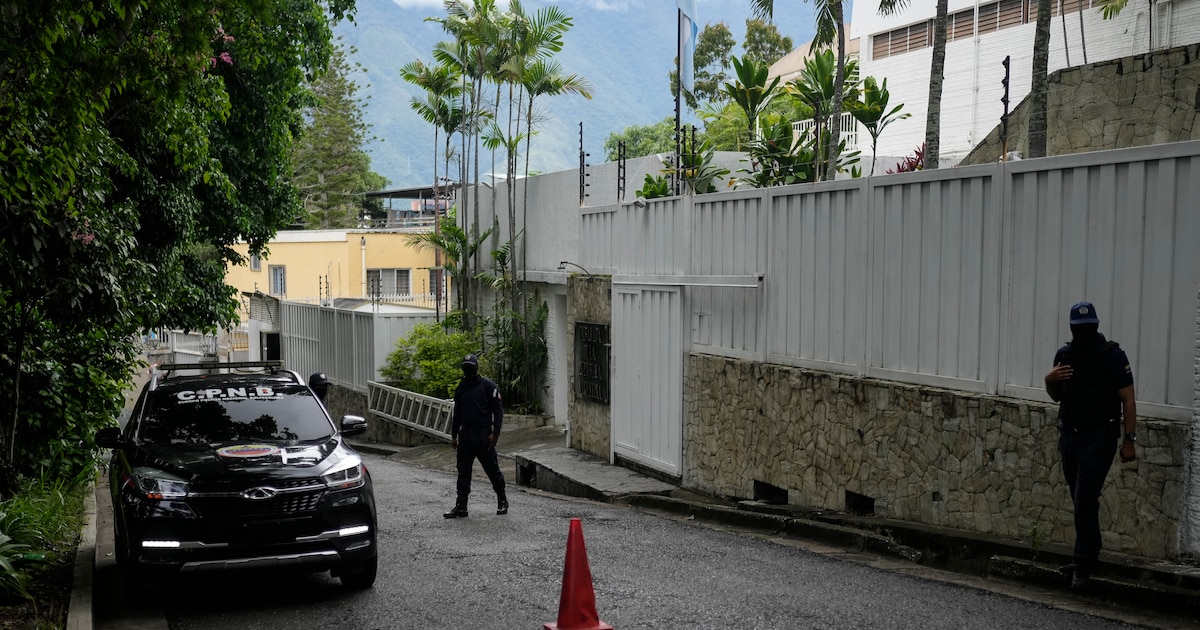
648 571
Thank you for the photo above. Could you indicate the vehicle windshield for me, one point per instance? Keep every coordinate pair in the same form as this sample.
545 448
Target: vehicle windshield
217 414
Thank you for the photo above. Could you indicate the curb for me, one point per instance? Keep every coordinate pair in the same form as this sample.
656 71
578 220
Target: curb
79 614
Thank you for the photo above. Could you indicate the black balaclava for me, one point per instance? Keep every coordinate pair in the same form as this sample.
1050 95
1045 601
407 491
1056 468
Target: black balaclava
470 372
1085 335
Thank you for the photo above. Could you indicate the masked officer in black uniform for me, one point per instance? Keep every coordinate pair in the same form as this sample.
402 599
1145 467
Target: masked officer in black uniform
475 426
1093 386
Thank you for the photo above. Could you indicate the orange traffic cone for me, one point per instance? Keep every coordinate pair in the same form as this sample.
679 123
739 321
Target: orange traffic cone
577 604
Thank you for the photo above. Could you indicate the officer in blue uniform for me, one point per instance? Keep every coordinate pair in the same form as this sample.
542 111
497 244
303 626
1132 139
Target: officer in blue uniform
475 426
1093 385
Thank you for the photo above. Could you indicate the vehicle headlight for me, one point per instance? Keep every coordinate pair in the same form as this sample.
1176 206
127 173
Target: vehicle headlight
346 475
159 485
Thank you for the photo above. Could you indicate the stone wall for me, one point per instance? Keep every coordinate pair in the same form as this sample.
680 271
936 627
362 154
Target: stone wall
980 463
589 299
1191 533
1129 102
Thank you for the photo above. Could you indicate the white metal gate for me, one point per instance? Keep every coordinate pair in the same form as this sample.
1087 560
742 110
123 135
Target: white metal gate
647 404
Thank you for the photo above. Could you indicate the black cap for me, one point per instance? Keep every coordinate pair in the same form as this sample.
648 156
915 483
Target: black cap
470 359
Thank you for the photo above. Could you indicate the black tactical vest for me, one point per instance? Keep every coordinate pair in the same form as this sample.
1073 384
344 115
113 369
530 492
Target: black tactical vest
1090 396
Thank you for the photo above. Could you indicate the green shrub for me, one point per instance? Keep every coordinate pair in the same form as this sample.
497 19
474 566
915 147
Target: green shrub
427 360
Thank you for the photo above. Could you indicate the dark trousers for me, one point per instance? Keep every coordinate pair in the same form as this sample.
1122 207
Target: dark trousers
473 445
1087 454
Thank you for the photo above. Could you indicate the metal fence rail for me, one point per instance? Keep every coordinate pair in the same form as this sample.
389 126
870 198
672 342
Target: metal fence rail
424 414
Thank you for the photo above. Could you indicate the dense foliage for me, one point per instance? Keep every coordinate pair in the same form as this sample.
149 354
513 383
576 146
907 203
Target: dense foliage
138 141
332 171
427 360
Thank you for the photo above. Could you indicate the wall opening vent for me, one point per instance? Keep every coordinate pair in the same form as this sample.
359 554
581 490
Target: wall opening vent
767 493
859 504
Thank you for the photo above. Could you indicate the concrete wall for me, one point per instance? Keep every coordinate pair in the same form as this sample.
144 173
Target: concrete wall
1128 102
979 463
589 299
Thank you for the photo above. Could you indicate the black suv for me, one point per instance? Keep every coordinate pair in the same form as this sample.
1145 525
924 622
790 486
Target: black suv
239 469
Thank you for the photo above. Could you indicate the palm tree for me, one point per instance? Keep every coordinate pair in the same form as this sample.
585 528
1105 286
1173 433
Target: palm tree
1037 92
816 88
933 114
459 249
476 27
831 28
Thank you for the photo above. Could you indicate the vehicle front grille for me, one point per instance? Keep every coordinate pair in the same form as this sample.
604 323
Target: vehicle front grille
241 508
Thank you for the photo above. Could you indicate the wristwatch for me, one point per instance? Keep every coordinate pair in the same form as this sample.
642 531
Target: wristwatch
1130 437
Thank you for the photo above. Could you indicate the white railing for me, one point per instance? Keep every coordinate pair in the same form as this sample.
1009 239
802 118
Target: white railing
848 130
424 414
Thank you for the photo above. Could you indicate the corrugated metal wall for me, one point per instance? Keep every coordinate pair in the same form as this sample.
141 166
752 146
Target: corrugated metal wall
959 277
348 346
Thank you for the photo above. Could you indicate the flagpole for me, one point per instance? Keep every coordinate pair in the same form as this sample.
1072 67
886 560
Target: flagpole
678 92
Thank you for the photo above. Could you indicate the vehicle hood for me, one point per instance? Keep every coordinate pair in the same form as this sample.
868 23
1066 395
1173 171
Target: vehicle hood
204 460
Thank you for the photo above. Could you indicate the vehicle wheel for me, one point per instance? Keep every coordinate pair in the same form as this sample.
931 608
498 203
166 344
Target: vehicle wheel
360 577
120 544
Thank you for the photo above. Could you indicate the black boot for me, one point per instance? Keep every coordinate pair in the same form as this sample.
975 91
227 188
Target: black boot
459 510
501 504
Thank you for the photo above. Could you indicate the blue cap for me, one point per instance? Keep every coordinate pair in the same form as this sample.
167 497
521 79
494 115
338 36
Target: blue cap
1084 313
471 359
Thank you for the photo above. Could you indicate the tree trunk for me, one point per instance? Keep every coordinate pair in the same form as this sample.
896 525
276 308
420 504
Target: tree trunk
839 78
1037 92
1082 37
937 75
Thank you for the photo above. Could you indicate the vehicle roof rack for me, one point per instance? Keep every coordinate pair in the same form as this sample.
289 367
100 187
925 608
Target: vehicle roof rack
165 370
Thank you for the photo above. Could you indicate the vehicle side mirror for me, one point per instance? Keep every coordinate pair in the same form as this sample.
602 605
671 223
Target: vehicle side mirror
353 425
109 437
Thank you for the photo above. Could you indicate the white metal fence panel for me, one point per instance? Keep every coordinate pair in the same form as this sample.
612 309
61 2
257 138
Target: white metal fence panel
1117 228
349 347
300 337
647 402
597 238
725 234
816 285
936 277
653 239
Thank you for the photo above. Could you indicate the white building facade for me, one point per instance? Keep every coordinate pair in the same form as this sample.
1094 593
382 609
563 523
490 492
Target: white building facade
981 34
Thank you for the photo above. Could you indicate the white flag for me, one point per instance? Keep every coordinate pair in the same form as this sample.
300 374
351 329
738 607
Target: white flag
688 32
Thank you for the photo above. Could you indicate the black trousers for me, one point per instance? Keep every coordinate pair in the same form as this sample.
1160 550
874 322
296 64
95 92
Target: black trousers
1087 455
473 445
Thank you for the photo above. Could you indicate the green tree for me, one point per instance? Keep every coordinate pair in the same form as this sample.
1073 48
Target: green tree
643 140
1039 83
710 64
751 92
872 111
332 171
427 360
764 43
141 140
831 29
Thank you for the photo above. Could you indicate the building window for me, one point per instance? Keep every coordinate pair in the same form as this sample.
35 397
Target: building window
437 282
255 262
278 279
389 281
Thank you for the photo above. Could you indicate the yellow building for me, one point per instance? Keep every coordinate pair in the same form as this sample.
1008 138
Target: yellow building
312 265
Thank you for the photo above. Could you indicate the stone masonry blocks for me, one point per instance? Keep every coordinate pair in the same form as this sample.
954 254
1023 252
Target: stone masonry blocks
981 463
